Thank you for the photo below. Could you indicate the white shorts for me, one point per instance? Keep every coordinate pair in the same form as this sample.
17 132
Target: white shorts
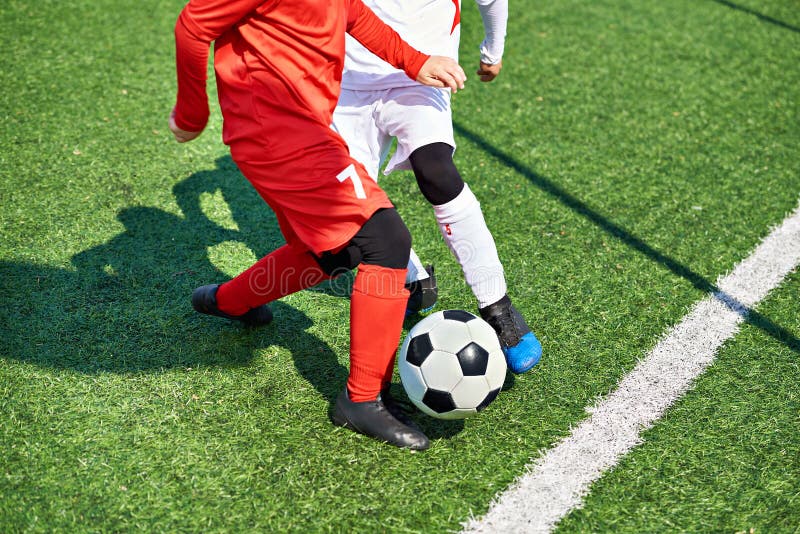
416 115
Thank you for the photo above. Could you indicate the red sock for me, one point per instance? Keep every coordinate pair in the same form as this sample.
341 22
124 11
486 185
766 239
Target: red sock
280 273
377 309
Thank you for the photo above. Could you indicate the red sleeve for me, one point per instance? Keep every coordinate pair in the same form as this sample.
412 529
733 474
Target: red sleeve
200 23
382 40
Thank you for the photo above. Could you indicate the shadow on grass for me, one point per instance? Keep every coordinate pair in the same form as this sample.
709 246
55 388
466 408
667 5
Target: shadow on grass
125 307
760 16
616 231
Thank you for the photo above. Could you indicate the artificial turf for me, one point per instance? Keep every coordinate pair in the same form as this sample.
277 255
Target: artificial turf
628 155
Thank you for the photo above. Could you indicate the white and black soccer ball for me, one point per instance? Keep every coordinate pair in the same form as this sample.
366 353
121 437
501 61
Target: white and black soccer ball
451 364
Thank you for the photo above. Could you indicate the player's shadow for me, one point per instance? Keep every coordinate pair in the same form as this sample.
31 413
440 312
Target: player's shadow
256 225
124 305
759 15
616 231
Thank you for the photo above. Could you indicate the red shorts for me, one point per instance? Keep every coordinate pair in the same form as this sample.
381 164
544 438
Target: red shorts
321 198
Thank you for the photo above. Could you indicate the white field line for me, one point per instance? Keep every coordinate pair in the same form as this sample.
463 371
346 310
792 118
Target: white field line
556 482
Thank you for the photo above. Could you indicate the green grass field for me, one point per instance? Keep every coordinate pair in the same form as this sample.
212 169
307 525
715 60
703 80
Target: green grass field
629 154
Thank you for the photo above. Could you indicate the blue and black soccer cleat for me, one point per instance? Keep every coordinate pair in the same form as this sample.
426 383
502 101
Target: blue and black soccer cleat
519 344
204 300
423 294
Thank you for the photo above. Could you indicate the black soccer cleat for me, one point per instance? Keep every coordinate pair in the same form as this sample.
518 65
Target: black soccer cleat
373 419
204 300
423 293
399 409
519 344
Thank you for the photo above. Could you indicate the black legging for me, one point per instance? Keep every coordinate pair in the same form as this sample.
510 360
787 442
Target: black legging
383 240
437 176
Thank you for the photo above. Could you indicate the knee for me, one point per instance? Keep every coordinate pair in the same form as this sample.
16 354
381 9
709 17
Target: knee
437 176
396 233
384 240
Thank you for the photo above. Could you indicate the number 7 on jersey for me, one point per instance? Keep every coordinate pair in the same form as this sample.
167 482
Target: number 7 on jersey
350 172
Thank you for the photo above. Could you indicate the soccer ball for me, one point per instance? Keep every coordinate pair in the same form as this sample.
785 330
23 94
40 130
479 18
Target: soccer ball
451 364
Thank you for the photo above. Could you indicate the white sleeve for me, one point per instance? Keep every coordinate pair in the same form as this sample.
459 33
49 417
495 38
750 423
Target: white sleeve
495 18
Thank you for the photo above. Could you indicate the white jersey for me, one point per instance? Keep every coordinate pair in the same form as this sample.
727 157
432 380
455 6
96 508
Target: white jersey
432 27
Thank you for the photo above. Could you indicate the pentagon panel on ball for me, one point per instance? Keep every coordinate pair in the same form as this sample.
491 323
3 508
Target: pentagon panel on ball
451 364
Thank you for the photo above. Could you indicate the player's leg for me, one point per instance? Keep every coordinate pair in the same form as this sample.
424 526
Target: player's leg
292 267
355 120
284 271
460 220
378 302
465 231
421 284
420 118
328 203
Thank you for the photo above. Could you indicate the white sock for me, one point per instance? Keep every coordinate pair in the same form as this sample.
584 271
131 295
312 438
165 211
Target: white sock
416 271
466 234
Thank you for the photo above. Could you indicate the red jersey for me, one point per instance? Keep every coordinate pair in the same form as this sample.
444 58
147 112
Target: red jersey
278 66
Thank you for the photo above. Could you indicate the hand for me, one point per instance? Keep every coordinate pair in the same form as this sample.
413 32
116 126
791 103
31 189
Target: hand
181 136
489 72
441 71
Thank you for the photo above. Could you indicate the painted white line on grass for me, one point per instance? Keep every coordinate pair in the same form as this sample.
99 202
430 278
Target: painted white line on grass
556 483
